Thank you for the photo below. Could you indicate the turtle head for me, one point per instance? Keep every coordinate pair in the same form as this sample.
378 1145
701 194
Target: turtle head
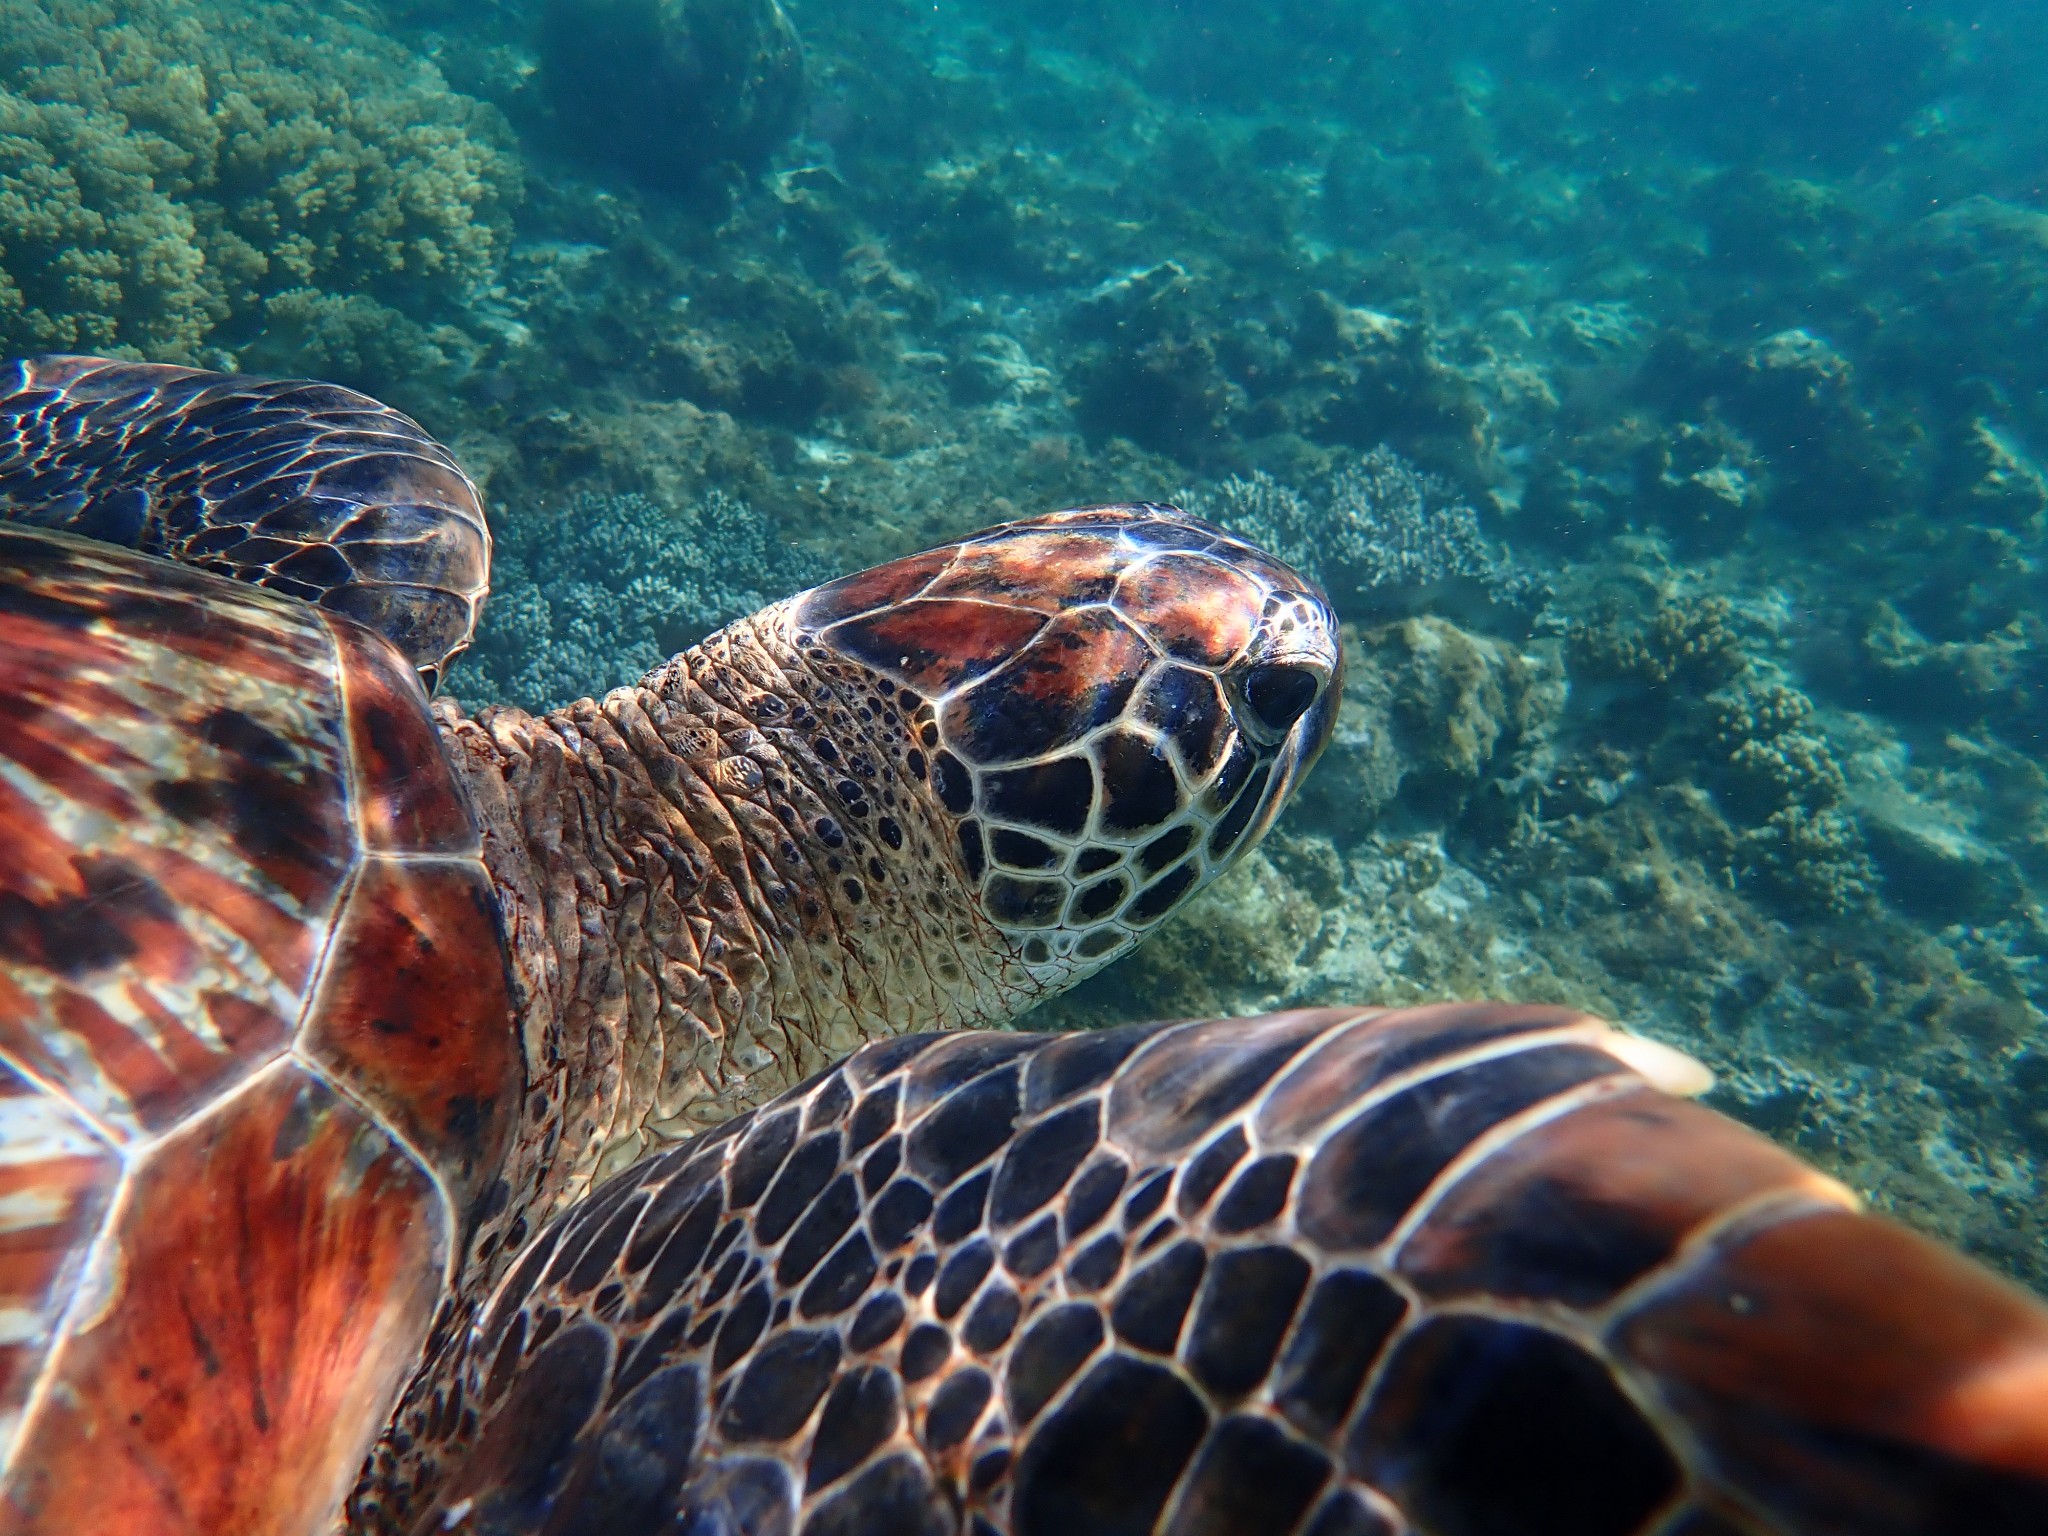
1111 705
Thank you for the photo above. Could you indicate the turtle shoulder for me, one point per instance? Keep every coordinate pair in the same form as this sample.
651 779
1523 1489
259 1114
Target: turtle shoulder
257 1070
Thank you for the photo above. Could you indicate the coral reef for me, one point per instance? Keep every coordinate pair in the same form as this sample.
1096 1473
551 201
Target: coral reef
170 183
1687 645
1382 537
1768 760
590 595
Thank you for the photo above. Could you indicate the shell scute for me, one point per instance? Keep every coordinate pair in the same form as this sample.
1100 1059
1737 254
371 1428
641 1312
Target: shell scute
174 829
238 1392
57 1176
257 1059
412 1014
406 799
1578 1209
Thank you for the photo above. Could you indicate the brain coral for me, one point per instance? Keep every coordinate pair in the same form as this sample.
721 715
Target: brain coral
169 171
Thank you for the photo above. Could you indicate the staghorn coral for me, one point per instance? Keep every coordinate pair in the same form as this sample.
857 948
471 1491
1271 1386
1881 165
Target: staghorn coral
1383 537
592 594
168 177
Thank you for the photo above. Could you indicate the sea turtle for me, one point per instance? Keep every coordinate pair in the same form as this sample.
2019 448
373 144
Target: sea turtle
313 1005
346 1042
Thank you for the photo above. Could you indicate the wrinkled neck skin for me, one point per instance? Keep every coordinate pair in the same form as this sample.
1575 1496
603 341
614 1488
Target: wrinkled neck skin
715 883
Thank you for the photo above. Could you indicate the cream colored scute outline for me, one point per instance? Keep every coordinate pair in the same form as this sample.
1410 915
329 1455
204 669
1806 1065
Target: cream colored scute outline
1664 1067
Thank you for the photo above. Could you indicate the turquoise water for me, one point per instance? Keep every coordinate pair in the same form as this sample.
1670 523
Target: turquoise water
1661 397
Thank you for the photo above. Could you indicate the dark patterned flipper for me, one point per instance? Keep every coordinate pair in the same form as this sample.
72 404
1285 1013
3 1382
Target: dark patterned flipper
1465 1271
302 487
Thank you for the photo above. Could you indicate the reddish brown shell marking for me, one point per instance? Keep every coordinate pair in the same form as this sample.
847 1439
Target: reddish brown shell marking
256 1059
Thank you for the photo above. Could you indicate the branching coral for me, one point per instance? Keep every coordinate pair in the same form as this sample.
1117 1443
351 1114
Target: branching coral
1776 778
1808 861
1687 644
591 595
1775 773
1768 760
168 174
1383 537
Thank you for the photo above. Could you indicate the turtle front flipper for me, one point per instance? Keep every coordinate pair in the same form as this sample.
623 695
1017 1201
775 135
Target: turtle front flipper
1451 1271
306 488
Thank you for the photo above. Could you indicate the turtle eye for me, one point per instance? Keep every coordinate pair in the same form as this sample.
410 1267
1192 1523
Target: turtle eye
1278 694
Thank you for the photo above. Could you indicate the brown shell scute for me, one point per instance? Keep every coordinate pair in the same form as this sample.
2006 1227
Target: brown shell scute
174 827
56 1183
243 1320
413 1014
257 1059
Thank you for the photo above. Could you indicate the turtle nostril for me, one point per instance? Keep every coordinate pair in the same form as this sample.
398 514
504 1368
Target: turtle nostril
1279 694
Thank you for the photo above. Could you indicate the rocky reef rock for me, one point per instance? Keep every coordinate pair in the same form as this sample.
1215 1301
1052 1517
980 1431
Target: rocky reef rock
1432 714
681 94
1934 868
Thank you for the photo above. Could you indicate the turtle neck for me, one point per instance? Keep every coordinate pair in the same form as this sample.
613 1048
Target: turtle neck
712 884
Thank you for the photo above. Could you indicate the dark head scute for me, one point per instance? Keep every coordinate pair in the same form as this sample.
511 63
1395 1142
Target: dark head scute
1187 708
1028 565
934 646
1077 675
868 591
1052 796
